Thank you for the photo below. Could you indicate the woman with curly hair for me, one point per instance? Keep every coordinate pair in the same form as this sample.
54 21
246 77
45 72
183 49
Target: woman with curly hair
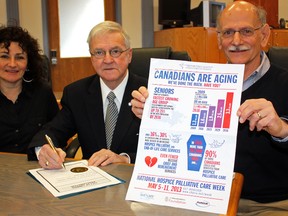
26 99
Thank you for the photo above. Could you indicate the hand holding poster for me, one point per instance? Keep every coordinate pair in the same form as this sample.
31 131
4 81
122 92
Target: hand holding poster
187 137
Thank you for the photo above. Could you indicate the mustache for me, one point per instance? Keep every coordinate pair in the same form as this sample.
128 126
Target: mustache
238 48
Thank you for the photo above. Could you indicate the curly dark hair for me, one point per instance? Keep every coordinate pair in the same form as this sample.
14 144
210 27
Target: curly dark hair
29 45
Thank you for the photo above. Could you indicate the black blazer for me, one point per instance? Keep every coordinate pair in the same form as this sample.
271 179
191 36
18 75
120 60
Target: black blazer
82 113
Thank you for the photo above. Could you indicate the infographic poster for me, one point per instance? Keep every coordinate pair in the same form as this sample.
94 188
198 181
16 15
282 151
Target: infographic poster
187 138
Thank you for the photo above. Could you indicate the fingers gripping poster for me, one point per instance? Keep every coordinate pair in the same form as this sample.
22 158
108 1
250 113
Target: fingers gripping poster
187 138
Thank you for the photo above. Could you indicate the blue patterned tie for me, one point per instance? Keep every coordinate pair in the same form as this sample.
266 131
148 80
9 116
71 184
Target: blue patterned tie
111 118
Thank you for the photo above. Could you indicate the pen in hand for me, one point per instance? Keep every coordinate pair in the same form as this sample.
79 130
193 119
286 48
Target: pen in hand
49 140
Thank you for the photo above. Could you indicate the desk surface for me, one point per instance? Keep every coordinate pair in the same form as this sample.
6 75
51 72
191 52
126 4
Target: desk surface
20 194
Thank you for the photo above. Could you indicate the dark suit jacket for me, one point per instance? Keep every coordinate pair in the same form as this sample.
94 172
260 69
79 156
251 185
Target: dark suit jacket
82 113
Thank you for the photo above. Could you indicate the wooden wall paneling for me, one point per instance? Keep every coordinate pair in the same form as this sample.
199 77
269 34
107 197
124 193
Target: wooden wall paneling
271 7
280 37
195 42
200 43
110 10
212 49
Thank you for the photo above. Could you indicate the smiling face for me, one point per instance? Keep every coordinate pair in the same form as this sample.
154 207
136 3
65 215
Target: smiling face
111 69
238 47
13 63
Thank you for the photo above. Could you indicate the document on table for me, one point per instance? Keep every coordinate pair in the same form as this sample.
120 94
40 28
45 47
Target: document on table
187 138
77 177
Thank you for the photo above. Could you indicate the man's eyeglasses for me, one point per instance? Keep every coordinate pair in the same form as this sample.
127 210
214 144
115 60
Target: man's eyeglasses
245 32
115 53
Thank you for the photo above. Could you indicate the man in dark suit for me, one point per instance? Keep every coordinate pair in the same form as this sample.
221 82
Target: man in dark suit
84 106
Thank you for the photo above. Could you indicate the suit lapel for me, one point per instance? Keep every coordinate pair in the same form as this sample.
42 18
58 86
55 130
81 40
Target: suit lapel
126 116
94 106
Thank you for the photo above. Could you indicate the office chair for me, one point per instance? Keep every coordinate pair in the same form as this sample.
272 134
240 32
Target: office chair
46 70
140 63
278 56
73 147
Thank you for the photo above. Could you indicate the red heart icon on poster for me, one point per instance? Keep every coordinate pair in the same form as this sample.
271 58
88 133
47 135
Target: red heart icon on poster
150 161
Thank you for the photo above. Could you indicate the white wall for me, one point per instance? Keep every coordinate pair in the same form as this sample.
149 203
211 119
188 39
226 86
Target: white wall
132 21
3 14
283 9
30 17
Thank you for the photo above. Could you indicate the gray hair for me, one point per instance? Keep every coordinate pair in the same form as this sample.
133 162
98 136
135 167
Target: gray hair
261 13
108 27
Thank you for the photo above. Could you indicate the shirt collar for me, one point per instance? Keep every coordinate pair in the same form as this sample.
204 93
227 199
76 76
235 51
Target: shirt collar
258 73
118 91
26 92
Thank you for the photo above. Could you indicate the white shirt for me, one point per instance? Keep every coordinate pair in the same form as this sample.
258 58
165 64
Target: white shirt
118 91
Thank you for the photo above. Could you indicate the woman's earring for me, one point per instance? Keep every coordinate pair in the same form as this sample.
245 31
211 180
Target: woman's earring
25 80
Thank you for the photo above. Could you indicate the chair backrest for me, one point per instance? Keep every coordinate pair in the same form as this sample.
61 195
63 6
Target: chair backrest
279 56
47 69
140 63
72 147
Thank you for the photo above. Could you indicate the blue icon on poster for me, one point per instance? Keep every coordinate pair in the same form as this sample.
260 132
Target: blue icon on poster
195 151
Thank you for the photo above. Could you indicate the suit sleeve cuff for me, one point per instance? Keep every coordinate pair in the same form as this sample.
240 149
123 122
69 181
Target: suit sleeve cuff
285 139
37 151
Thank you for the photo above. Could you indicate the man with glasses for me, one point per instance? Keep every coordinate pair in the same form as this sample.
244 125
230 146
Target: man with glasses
262 140
97 108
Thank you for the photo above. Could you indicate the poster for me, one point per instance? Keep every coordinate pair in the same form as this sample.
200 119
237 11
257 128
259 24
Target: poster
187 138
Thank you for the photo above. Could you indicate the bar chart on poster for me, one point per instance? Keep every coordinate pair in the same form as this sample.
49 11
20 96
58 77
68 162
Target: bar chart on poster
211 116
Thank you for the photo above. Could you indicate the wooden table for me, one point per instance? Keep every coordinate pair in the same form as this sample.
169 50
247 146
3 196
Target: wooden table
20 194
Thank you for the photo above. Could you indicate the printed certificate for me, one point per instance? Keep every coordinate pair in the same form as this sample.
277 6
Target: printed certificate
187 138
77 177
